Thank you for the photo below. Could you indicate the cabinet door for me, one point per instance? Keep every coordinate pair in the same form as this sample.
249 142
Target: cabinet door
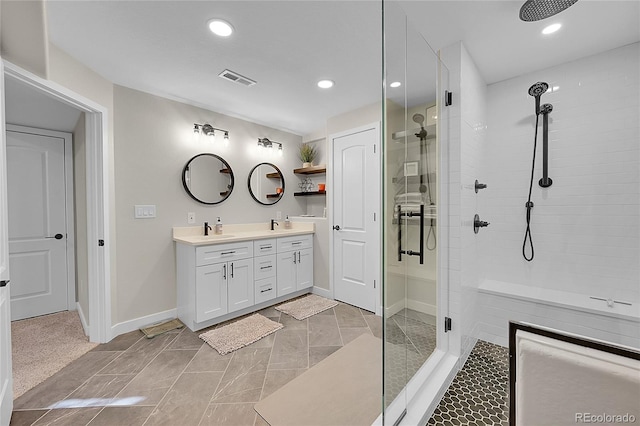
286 272
240 284
305 269
211 291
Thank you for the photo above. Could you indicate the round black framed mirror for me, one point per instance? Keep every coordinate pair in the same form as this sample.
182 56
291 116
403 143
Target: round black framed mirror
208 179
266 184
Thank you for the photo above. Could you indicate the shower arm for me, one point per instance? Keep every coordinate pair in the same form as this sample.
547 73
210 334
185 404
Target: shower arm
546 181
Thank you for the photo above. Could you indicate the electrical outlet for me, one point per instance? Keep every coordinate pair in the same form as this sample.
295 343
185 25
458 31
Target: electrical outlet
278 215
191 217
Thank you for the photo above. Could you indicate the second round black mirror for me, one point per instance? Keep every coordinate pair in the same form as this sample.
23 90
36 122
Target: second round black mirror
266 184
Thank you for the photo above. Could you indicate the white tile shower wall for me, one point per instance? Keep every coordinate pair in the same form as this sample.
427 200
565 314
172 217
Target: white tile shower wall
586 226
467 137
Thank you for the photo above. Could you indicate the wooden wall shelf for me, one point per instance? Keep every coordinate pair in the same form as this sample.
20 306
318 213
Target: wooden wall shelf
310 170
304 194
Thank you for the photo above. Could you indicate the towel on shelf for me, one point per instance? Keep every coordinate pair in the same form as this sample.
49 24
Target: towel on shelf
408 198
429 211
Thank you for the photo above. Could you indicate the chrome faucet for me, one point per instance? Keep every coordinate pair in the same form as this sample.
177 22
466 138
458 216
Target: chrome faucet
207 228
273 222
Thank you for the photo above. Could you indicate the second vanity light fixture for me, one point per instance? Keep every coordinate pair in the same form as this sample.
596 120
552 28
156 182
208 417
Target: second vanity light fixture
210 132
269 145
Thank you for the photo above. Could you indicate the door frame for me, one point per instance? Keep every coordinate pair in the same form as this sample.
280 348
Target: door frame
378 208
98 206
69 203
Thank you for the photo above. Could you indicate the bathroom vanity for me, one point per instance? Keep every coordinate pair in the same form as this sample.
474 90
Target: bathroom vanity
245 269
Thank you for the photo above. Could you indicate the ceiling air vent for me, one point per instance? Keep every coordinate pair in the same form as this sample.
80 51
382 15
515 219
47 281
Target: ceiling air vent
236 78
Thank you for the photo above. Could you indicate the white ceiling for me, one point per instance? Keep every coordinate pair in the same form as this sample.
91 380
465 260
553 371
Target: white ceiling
165 48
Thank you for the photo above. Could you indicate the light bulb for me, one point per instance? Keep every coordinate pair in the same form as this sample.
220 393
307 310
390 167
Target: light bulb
226 138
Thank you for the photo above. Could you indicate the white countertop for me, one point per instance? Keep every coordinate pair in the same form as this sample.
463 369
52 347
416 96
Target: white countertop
194 235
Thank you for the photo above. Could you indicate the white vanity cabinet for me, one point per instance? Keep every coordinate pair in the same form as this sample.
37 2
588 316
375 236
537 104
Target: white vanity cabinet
218 281
294 264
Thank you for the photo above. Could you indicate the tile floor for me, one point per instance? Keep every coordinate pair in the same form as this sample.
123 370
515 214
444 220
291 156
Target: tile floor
479 394
176 379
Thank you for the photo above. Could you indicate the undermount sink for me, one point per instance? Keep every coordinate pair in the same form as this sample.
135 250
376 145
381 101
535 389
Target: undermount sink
215 237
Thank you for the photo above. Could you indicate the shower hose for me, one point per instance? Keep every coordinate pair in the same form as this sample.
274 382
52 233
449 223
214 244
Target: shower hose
529 204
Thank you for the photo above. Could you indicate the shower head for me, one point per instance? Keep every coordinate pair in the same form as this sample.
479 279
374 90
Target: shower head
536 91
538 88
536 10
419 119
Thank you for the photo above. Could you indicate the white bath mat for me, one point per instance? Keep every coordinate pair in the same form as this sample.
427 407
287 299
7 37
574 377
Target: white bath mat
306 306
239 334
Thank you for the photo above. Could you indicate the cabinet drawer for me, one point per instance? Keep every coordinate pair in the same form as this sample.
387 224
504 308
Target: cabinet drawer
295 243
264 267
265 289
263 247
206 255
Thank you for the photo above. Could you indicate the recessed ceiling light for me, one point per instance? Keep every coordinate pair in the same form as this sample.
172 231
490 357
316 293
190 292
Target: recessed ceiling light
325 84
220 28
395 84
551 28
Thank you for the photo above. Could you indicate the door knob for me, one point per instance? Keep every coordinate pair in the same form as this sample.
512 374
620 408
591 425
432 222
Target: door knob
57 236
336 227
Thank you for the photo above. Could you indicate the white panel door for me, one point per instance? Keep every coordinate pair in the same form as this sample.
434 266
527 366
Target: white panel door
6 381
356 184
37 224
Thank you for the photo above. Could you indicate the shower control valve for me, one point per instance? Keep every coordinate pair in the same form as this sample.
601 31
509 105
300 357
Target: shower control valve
477 224
479 186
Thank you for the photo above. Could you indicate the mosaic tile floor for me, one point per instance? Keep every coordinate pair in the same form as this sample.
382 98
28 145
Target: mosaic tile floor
479 394
411 338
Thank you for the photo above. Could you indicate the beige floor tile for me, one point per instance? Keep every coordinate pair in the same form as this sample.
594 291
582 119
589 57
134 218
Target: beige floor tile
275 379
122 416
208 359
290 350
156 379
68 417
350 333
187 400
229 415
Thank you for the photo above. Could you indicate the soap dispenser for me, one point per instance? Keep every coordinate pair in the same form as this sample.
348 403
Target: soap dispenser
287 223
218 227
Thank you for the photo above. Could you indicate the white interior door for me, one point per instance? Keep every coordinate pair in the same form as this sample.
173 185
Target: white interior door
6 381
37 224
355 215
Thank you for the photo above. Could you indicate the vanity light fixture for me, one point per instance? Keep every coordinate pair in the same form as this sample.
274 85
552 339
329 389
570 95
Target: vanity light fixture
264 143
210 132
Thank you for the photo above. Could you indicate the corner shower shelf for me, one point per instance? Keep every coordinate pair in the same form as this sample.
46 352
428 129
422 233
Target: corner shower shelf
310 170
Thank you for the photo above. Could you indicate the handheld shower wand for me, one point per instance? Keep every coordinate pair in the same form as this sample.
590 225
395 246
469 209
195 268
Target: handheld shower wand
536 91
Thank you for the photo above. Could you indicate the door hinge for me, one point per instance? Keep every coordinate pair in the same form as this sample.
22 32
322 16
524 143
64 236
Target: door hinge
374 148
374 217
447 98
447 324
100 243
374 283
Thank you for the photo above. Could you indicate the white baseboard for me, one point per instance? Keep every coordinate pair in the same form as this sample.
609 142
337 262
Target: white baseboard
425 308
322 292
83 319
137 323
394 309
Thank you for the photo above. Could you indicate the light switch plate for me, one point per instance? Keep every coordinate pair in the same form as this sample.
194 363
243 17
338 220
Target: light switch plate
144 211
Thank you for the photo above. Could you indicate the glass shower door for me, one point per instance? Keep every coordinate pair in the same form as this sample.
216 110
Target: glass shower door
411 196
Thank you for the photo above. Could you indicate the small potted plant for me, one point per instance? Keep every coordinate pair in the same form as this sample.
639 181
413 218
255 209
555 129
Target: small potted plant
307 154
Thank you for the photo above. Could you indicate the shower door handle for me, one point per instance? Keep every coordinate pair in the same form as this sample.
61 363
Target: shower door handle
411 252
